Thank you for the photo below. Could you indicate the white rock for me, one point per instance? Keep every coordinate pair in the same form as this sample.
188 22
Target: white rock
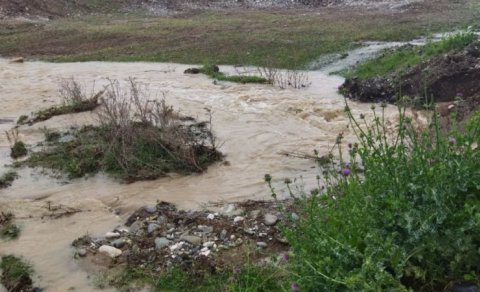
205 253
204 249
270 219
110 235
238 219
210 216
208 244
110 251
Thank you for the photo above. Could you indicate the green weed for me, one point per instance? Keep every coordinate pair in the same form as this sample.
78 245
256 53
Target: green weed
402 213
7 178
16 274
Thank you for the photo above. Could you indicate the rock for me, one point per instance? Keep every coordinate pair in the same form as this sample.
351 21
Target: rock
192 239
135 227
205 229
270 219
295 217
254 214
192 71
17 60
110 251
161 220
122 229
204 249
223 234
211 216
161 242
152 227
150 209
262 244
82 252
118 243
208 244
238 219
205 253
110 235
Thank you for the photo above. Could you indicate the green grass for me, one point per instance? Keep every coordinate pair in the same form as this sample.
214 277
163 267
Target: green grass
409 221
7 178
292 38
406 57
210 70
16 274
19 149
10 231
247 277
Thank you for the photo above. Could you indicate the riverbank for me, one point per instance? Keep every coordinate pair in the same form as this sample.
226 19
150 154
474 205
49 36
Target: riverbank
280 38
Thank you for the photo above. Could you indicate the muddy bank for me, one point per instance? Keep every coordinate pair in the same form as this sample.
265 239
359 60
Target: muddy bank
441 79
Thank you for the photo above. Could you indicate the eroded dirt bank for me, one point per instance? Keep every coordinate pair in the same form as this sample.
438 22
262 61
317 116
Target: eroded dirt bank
255 123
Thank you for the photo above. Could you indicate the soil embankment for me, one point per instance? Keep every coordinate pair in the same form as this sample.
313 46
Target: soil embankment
443 79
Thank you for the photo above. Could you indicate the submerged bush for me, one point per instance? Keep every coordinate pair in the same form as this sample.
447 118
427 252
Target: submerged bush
16 274
137 138
409 221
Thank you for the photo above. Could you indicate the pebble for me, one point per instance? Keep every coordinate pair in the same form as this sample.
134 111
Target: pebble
118 243
238 219
161 220
295 217
204 249
211 216
110 235
270 219
150 209
161 242
110 251
262 244
254 214
205 253
82 252
205 229
192 239
135 227
208 244
152 227
223 234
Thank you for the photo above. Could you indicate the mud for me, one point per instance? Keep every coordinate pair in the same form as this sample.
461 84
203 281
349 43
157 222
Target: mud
441 79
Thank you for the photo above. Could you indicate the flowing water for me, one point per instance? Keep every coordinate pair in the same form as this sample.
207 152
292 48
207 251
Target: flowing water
254 123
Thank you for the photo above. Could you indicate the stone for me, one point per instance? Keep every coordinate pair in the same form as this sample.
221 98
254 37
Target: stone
192 71
205 253
118 243
192 239
152 227
150 209
161 220
205 228
110 235
270 219
137 225
161 242
238 219
82 252
223 234
211 216
208 244
254 214
295 217
262 244
110 251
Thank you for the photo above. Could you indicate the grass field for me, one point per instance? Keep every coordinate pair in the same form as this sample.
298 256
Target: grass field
286 38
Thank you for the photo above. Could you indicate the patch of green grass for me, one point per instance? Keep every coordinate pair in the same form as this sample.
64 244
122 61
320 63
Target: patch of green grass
405 57
19 149
247 277
10 231
401 214
292 38
212 71
16 274
7 178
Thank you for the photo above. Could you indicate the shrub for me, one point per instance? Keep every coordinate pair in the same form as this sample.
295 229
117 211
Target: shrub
137 139
16 274
7 179
409 221
213 72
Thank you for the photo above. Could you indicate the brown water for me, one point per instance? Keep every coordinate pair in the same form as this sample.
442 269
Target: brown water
256 123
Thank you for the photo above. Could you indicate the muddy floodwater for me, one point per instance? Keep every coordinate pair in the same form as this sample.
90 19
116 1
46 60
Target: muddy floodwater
255 124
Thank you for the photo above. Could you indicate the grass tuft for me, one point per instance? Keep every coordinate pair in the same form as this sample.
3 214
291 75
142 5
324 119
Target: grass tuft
16 274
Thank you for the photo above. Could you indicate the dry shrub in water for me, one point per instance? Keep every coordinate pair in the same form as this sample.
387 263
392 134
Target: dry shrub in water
139 129
284 78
